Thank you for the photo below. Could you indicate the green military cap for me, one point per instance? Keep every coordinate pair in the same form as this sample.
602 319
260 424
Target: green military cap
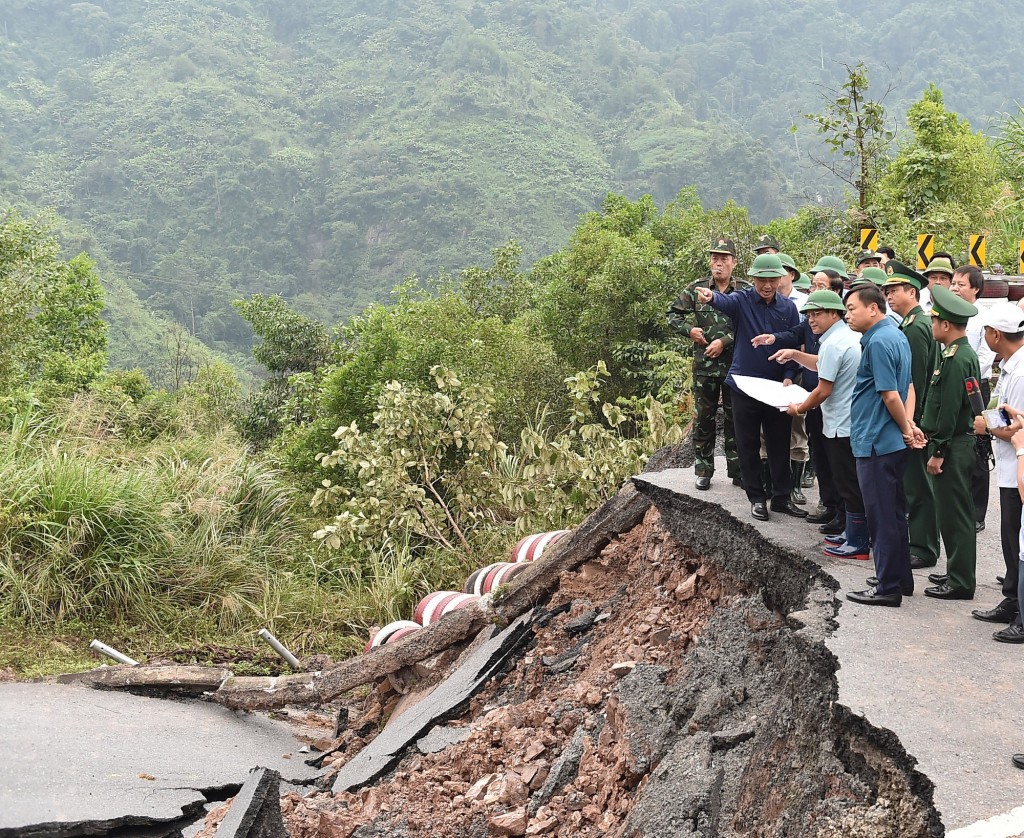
803 283
764 242
900 274
723 245
767 266
940 265
830 263
948 306
875 275
866 256
823 301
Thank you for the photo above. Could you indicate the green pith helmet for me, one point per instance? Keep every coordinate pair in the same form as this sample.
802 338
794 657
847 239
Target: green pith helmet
940 266
767 266
803 283
787 262
876 275
823 301
723 245
766 241
898 273
830 263
948 306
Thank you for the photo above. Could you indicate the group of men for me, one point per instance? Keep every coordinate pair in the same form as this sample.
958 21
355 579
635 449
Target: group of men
897 363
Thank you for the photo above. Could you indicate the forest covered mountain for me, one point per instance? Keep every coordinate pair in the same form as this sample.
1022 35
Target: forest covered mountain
207 149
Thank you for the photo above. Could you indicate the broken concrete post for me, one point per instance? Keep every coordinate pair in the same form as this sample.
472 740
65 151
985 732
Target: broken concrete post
278 647
112 653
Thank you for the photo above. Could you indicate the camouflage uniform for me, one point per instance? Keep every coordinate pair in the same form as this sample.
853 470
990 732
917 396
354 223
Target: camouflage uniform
708 373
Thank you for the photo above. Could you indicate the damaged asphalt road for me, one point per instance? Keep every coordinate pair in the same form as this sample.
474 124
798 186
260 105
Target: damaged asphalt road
79 761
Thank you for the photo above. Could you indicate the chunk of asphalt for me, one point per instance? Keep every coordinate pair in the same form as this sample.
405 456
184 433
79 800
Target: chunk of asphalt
441 738
582 623
557 664
384 751
562 773
256 810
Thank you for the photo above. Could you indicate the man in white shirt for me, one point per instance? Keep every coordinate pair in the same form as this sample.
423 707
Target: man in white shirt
1004 334
968 281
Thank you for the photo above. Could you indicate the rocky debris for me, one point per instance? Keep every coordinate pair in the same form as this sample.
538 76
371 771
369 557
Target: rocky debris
697 707
442 737
256 810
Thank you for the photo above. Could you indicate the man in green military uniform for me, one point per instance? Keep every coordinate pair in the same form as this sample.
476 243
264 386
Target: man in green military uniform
948 423
712 336
902 289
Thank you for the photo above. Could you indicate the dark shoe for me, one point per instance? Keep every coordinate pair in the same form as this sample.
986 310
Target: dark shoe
978 527
1000 580
821 515
759 511
999 614
787 508
1011 634
703 482
938 578
1018 760
737 481
872 597
835 526
873 582
946 592
919 562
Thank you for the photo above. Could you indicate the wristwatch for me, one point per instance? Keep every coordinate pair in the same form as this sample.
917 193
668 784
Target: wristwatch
1019 452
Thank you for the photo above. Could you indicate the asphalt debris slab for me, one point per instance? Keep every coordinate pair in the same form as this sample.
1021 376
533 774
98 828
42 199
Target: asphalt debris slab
256 811
470 675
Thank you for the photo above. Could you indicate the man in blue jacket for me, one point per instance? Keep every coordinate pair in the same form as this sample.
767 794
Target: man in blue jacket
757 311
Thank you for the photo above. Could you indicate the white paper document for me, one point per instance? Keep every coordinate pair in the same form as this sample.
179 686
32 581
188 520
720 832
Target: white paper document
771 392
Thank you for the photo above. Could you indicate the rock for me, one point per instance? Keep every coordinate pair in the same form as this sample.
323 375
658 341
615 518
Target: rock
687 588
562 773
510 823
730 737
534 750
622 668
661 636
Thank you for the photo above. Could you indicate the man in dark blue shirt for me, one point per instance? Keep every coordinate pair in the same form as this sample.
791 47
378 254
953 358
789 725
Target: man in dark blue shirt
757 311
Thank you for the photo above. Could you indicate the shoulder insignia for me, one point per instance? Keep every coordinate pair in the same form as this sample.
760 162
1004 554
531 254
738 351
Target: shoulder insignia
910 320
951 351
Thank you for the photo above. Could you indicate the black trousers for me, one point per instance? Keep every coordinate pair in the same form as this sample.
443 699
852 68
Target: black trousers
751 418
844 473
885 502
828 493
1009 533
980 472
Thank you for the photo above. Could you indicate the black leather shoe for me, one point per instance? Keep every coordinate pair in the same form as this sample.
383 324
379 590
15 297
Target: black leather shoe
821 515
759 511
918 562
946 592
737 481
786 507
872 597
938 578
834 527
1000 580
1013 633
999 614
873 582
978 527
703 482
1018 760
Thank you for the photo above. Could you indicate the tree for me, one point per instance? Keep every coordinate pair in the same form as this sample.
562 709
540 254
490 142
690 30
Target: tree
854 127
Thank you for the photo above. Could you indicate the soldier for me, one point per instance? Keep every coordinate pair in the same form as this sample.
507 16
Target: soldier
902 289
948 424
712 335
766 244
868 259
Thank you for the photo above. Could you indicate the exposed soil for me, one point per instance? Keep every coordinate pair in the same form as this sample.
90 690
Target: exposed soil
662 696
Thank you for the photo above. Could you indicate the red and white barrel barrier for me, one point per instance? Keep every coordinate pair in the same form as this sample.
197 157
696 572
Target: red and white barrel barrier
532 547
391 632
434 606
486 579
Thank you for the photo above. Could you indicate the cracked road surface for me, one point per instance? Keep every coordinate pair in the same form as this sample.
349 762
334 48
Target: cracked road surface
74 755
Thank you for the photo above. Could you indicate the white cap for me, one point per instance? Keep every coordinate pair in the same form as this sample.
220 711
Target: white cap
1006 318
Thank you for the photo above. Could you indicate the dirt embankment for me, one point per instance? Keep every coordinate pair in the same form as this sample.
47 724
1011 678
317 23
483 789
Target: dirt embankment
668 690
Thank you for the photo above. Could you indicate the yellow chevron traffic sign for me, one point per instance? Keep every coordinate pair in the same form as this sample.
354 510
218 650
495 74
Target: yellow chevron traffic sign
925 249
977 251
868 238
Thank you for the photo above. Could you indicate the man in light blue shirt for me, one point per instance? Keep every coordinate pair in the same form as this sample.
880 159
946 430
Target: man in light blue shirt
836 362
